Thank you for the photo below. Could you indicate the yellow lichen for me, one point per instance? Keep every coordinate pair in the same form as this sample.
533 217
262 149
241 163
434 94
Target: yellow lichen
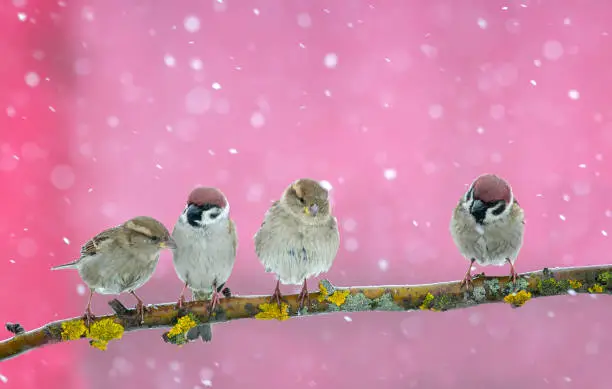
575 284
183 324
99 344
518 299
103 331
338 297
427 301
596 289
270 311
73 329
323 293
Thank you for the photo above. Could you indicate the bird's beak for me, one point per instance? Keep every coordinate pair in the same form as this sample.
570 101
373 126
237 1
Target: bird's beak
478 207
168 244
311 210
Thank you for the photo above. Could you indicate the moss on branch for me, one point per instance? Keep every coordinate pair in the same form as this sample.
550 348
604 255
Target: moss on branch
436 297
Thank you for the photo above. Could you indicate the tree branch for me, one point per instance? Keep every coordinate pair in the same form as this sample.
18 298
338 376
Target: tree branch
437 297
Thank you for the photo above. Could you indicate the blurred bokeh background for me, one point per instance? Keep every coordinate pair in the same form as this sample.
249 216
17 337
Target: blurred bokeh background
114 108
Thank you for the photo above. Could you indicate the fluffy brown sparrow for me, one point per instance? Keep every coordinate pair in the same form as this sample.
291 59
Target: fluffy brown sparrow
121 259
299 236
488 225
206 248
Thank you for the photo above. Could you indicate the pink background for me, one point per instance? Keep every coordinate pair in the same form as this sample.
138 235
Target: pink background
110 109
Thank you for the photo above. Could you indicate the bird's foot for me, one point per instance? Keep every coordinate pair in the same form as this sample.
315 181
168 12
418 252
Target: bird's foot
467 281
513 273
180 302
88 317
140 310
304 296
278 298
214 301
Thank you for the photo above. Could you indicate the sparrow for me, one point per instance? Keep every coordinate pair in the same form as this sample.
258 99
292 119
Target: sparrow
121 259
487 225
206 241
299 237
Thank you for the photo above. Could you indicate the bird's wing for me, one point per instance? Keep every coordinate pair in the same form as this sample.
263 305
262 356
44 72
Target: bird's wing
104 238
232 232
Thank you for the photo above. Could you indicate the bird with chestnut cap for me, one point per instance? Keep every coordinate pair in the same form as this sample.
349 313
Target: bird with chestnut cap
487 225
206 249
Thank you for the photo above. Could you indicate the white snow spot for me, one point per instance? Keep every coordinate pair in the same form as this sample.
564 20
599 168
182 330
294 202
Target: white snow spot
27 247
567 21
566 197
567 379
349 225
62 177
257 119
206 376
330 60
254 193
537 63
198 100
82 66
573 94
533 82
348 319
256 11
429 51
112 121
233 151
327 93
216 86
480 130
191 23
604 232
87 13
32 79
552 50
158 166
81 289
10 111
383 264
196 64
390 174
66 240
304 20
482 23
351 244
22 16
169 60
415 223
562 217
3 378
436 111
582 166
608 213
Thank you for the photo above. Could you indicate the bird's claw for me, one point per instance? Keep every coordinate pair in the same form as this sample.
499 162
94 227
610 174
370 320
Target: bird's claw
278 298
214 301
467 282
88 317
141 309
180 302
304 296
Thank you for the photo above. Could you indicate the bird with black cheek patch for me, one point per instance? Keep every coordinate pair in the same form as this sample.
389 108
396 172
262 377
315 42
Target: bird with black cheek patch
487 225
206 248
299 237
121 259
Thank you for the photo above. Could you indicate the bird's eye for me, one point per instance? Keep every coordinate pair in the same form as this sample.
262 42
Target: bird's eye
301 201
214 215
155 239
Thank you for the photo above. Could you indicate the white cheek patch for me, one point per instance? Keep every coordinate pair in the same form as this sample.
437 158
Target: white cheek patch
479 229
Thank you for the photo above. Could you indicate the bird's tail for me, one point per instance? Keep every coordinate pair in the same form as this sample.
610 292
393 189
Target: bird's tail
71 265
204 331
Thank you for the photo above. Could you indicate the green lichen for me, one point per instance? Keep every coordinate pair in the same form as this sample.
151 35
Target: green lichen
73 329
178 333
517 299
493 286
442 303
357 302
605 278
479 294
103 331
596 289
386 303
549 287
270 311
521 284
338 297
575 285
